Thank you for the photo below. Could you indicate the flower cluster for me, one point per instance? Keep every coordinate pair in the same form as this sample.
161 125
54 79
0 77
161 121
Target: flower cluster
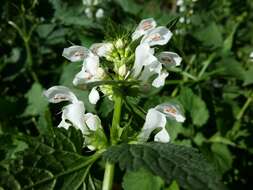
146 65
119 60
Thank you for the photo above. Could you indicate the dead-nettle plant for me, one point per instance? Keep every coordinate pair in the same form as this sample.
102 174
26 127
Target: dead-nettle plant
131 63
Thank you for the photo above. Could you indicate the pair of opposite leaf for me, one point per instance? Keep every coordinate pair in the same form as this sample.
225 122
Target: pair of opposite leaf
145 66
146 63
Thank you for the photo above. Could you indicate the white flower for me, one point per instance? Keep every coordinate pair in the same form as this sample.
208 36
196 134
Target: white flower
172 111
182 20
88 12
75 53
87 2
180 2
162 136
154 119
99 13
94 96
251 56
160 80
144 26
92 121
101 49
58 94
157 36
169 59
74 113
143 56
90 71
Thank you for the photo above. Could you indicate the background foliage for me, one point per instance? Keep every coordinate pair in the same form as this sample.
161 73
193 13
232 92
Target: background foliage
214 85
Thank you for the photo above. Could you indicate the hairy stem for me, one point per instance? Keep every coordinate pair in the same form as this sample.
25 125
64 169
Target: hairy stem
109 167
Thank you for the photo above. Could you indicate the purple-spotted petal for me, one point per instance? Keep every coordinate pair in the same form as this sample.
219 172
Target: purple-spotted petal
144 26
169 59
75 53
158 36
58 94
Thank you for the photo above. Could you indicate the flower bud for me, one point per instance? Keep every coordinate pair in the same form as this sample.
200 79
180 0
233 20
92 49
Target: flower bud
122 70
119 44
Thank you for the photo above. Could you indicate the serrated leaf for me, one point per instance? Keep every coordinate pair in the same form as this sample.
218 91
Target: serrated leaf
169 161
51 162
195 106
141 179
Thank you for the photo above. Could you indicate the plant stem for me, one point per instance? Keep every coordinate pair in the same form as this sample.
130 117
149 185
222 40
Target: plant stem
237 124
109 167
108 176
116 119
206 64
245 106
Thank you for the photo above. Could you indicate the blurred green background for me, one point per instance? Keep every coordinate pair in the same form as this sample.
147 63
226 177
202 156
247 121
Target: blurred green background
214 83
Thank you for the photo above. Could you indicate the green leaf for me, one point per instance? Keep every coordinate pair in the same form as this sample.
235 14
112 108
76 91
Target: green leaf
222 157
97 139
44 30
209 35
195 106
45 125
169 161
248 77
106 107
173 186
37 104
71 13
228 42
231 68
129 6
50 162
141 179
